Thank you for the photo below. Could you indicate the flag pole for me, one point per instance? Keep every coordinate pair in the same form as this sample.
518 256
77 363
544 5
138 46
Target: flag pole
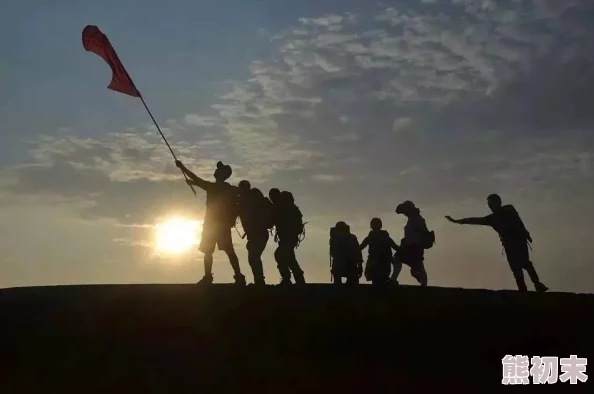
98 43
162 135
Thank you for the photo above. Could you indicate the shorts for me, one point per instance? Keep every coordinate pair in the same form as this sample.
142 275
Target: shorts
411 255
213 236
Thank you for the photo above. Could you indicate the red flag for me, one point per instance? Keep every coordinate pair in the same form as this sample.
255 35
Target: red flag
97 42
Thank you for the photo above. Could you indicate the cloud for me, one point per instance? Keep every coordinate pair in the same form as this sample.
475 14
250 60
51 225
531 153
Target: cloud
401 124
457 74
200 121
328 178
129 177
347 137
438 102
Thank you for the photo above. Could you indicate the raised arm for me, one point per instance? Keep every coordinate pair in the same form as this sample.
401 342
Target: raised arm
483 221
194 179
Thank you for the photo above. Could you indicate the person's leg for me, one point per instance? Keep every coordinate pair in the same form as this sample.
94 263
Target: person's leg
370 270
281 263
225 242
294 267
538 285
207 246
396 268
207 268
516 257
519 277
421 274
291 259
420 266
353 274
256 246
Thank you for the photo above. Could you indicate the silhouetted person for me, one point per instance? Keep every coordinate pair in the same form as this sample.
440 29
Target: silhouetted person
220 217
379 259
345 252
255 212
514 237
412 246
288 221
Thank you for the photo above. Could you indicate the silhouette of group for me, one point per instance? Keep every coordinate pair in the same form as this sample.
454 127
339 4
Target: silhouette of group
259 215
278 216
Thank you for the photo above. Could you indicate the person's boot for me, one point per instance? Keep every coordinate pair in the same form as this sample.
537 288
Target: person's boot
239 279
259 282
205 281
299 278
540 287
285 282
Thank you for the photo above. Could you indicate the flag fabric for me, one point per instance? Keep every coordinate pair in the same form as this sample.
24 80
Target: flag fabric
95 41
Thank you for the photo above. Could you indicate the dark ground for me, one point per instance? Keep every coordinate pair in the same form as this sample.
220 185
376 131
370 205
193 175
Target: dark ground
179 338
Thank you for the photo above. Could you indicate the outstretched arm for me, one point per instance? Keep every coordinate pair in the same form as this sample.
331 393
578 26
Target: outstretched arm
484 221
394 245
359 254
364 244
194 179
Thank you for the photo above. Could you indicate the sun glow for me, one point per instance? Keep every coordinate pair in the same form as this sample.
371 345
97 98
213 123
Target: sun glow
177 235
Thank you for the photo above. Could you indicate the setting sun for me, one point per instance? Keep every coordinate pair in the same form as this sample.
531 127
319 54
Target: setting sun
177 235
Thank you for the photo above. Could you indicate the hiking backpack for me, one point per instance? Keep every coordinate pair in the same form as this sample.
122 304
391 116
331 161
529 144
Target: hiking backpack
299 225
428 239
231 206
267 213
295 223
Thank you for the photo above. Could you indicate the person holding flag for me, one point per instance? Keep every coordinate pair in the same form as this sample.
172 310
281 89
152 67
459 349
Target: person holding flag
221 198
222 210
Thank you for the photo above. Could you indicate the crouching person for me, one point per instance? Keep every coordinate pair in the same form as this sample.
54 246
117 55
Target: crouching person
345 255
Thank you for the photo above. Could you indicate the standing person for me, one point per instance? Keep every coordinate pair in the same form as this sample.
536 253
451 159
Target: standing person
379 258
514 237
412 247
221 214
255 212
345 252
288 221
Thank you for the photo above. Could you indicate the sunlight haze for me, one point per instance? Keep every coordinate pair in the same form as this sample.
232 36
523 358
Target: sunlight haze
177 236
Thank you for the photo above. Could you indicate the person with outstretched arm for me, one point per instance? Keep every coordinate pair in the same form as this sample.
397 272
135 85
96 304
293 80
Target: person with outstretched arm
221 214
514 237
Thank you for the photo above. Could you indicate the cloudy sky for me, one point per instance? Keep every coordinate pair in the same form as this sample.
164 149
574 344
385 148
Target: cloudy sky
353 106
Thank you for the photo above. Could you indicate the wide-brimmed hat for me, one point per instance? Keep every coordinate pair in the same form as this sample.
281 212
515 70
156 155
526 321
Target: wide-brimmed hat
406 207
224 170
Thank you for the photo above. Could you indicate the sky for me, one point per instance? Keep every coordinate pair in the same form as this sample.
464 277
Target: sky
352 106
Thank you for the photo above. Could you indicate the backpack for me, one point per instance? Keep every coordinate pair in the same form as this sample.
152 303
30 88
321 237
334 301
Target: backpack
267 213
295 222
428 239
230 202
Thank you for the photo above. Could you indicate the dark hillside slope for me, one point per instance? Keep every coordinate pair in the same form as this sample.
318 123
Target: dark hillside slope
172 338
